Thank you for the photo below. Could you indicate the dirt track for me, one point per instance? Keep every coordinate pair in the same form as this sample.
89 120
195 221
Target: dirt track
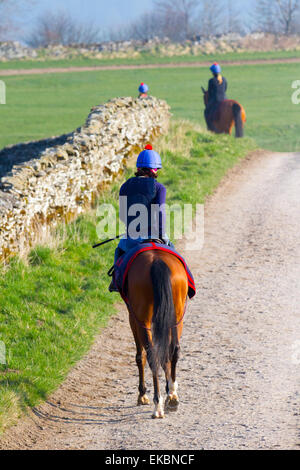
239 370
41 71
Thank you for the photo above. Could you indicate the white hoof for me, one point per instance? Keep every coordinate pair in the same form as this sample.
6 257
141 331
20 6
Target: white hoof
159 409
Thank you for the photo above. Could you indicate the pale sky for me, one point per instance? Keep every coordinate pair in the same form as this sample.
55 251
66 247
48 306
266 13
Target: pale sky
103 13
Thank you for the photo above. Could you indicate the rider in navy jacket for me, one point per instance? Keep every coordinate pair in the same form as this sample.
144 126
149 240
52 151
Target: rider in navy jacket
145 196
144 189
217 87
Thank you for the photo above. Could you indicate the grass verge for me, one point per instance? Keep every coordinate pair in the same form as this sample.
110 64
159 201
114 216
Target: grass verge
54 301
147 59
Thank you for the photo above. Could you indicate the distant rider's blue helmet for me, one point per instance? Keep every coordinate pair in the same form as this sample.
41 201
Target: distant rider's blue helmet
215 68
143 88
148 158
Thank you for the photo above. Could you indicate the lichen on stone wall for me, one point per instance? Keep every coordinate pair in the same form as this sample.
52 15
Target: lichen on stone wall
59 181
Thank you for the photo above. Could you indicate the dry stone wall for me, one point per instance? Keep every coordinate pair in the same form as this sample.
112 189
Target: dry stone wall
58 181
158 47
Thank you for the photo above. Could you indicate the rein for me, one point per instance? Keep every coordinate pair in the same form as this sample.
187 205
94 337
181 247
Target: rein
108 241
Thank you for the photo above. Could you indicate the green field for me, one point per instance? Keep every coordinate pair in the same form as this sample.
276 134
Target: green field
148 58
42 106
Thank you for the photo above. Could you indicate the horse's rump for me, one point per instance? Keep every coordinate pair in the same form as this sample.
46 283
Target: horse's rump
227 114
226 106
124 264
157 291
221 110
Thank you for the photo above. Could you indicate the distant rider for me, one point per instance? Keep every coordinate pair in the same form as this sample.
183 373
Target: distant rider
217 87
143 90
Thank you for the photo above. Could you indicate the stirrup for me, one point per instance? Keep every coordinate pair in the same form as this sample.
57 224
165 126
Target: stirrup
111 271
112 287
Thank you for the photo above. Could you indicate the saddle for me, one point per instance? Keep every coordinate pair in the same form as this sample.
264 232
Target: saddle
154 240
122 266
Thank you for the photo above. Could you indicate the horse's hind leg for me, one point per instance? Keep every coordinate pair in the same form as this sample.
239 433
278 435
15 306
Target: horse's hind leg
140 362
172 400
158 399
154 366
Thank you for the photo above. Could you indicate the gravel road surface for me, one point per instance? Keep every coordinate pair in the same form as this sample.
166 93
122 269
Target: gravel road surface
239 369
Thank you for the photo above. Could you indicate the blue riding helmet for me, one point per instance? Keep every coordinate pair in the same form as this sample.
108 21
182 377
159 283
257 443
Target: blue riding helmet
143 88
148 158
215 68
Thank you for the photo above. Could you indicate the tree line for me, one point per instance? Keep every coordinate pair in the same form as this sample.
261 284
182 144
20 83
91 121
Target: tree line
177 20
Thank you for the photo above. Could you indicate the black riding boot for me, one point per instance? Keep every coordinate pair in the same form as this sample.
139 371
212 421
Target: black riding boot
118 254
210 126
112 287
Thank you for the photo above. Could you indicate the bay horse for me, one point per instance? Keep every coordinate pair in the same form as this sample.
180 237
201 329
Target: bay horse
230 113
157 290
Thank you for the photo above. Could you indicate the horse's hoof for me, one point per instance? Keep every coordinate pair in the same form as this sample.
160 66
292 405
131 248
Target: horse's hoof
143 400
172 403
158 415
159 409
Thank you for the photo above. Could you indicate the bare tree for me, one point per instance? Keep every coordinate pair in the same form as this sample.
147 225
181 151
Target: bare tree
179 13
234 23
277 16
288 11
265 16
168 18
211 18
147 26
117 33
61 28
181 19
173 26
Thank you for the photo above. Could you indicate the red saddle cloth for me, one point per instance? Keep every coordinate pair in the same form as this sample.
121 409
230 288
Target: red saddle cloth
124 263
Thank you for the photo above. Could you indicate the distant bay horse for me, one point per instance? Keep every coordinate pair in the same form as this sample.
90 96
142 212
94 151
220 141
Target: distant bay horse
228 114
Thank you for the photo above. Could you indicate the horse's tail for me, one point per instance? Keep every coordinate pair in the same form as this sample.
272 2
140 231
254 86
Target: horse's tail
237 114
163 312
